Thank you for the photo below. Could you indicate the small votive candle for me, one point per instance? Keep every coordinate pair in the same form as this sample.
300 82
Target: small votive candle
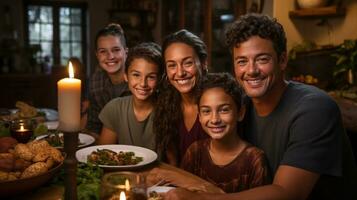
22 130
123 185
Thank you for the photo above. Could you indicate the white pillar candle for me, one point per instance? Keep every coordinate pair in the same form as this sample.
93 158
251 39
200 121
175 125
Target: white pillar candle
69 102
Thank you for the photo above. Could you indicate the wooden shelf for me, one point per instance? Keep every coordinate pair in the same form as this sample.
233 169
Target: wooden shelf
330 11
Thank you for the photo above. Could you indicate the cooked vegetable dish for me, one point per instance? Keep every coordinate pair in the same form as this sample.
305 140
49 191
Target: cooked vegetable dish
57 140
109 157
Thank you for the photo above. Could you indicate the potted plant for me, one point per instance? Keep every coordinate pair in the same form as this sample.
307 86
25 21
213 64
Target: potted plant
346 63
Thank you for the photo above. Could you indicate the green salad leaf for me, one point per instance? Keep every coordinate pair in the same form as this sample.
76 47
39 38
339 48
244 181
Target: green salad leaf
4 129
40 129
88 181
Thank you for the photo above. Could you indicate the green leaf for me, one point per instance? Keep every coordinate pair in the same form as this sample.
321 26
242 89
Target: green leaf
88 191
341 60
339 71
40 129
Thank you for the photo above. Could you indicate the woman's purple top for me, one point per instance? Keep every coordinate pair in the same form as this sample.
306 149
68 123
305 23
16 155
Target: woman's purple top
188 137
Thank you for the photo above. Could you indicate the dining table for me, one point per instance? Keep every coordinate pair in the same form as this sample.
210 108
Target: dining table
56 192
50 191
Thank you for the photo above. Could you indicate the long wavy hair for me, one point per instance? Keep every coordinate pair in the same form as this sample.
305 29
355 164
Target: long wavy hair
168 113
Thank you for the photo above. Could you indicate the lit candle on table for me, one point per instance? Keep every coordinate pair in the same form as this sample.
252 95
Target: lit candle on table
21 131
122 196
69 102
127 185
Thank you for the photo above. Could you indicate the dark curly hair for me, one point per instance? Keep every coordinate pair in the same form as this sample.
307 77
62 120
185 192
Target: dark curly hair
168 113
225 81
253 24
111 29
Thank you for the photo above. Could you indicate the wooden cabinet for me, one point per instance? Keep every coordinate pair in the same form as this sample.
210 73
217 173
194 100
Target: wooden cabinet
318 63
37 90
137 18
207 19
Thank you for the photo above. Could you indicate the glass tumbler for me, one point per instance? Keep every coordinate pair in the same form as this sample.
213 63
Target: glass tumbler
123 186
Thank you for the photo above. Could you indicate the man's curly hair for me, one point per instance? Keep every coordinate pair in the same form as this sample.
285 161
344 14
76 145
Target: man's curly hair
253 24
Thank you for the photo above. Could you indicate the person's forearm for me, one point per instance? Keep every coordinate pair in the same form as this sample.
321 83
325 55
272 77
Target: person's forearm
269 192
184 179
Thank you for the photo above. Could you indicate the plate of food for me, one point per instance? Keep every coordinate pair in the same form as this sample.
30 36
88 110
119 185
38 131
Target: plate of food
155 192
116 156
56 139
24 110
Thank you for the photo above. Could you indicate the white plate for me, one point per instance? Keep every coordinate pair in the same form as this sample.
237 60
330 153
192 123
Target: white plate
84 139
159 189
51 115
148 155
51 125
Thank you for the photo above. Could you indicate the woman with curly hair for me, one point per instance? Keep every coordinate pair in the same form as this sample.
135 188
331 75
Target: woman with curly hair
176 123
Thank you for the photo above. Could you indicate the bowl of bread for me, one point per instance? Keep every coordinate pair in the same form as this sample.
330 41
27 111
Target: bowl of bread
24 167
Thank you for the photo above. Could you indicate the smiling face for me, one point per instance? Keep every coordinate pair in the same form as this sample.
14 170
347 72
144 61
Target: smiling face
142 78
110 53
257 67
182 66
218 113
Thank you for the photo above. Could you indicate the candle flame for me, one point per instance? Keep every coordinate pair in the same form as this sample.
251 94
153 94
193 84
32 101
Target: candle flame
70 70
127 185
22 127
122 196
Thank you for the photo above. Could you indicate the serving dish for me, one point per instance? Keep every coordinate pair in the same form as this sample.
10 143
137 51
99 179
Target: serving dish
20 186
148 155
